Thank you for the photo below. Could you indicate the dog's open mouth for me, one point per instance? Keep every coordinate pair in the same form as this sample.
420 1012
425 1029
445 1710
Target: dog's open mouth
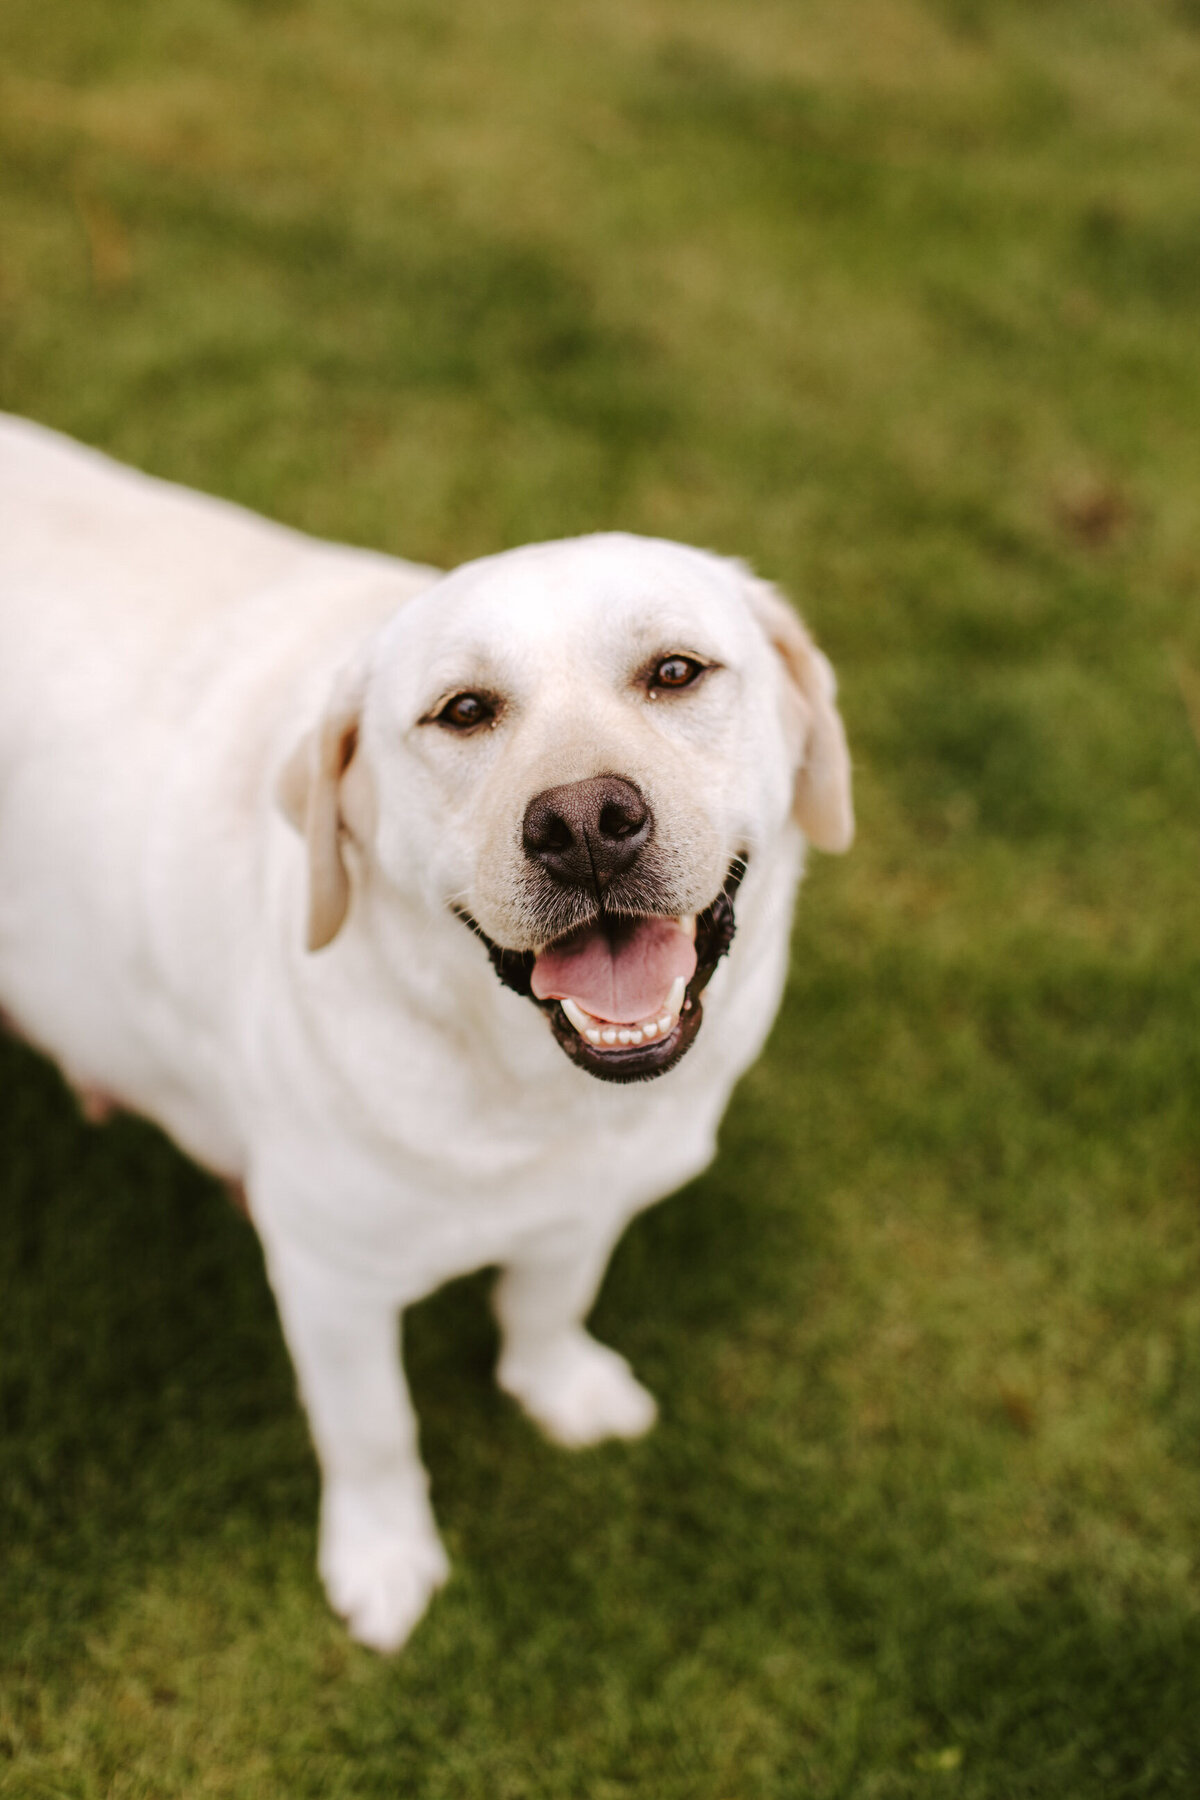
623 995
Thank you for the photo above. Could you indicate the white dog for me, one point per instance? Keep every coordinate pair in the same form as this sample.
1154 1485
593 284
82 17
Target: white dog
397 898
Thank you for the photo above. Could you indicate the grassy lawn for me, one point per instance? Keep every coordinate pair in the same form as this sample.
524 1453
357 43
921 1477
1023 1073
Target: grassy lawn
901 301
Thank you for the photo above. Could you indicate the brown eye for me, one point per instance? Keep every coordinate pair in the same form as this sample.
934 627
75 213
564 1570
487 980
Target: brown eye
676 672
465 711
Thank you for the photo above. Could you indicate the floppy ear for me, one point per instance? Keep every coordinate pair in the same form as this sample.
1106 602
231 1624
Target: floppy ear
822 804
311 796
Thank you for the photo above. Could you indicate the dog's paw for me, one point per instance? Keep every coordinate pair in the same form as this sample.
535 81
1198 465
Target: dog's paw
578 1391
380 1573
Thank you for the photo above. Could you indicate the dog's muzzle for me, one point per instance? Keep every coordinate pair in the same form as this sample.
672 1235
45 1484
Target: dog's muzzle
629 1049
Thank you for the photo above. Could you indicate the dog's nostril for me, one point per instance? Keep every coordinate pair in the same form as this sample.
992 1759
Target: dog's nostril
618 822
546 832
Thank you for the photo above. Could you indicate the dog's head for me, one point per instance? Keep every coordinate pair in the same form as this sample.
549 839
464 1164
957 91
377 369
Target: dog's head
576 746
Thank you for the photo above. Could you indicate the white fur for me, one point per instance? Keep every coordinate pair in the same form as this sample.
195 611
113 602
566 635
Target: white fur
396 1115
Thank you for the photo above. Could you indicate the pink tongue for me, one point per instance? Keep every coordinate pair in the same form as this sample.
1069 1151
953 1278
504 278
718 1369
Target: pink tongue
622 978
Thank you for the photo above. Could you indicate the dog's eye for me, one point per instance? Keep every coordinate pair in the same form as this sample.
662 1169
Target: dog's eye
465 711
676 672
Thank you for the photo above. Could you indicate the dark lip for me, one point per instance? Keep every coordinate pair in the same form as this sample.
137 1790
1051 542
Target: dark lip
715 927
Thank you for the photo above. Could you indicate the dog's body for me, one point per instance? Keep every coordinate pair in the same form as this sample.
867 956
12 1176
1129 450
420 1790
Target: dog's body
176 676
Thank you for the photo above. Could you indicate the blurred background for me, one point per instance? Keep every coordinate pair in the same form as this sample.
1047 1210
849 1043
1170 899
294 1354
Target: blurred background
898 299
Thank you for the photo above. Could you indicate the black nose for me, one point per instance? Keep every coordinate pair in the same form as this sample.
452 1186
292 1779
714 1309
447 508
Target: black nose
588 831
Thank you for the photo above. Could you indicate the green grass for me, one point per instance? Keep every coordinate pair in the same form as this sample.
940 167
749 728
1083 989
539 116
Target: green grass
900 301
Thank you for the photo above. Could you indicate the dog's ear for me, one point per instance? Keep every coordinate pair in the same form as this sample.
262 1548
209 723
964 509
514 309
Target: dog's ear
822 804
315 795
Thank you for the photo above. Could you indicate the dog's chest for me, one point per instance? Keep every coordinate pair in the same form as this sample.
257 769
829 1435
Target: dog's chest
432 1184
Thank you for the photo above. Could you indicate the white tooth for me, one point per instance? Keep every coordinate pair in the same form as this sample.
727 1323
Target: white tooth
688 923
675 997
635 1036
592 1035
623 1037
609 1036
576 1015
664 1024
650 1029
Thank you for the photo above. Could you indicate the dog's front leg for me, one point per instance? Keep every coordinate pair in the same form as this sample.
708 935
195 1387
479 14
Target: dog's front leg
379 1555
577 1390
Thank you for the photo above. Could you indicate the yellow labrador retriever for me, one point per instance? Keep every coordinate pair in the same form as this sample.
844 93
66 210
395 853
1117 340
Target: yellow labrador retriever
440 912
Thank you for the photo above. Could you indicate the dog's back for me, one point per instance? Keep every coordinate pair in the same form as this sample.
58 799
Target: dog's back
148 637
